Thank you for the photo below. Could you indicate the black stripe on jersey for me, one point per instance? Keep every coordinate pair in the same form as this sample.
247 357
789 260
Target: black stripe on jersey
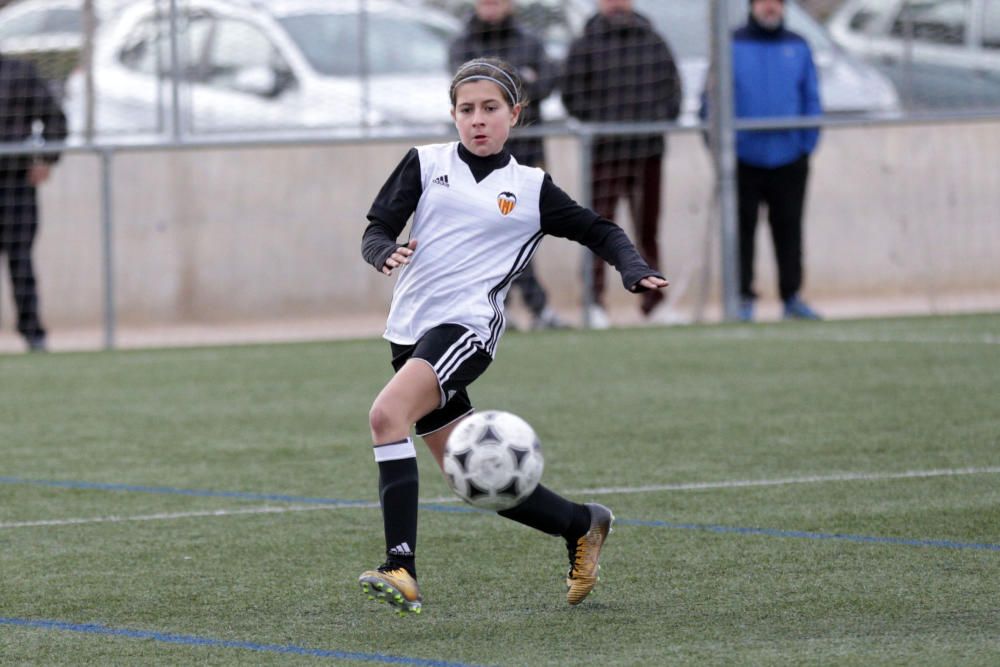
460 350
521 261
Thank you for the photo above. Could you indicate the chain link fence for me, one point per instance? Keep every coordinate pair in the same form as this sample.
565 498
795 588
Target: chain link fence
221 155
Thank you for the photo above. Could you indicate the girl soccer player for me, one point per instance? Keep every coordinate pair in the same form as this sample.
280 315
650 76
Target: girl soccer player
478 217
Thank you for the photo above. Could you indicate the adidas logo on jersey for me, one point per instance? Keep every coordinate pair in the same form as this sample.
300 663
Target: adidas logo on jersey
442 180
401 550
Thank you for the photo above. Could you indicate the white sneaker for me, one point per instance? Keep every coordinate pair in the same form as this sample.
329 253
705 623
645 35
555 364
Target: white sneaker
597 317
548 319
665 315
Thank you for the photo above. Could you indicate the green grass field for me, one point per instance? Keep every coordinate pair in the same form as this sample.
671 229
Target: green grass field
786 494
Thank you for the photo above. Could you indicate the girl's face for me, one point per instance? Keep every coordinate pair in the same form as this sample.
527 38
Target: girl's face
483 116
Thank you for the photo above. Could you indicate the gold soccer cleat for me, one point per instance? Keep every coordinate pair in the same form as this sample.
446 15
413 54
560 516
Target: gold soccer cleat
584 554
393 585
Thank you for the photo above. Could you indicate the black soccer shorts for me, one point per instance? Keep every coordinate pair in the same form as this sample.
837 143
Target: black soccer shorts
457 357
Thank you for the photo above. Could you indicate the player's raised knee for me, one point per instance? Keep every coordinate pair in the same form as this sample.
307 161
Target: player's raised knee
386 424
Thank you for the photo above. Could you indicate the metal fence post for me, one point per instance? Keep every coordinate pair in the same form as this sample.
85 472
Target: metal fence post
724 153
107 249
87 62
364 60
175 74
587 199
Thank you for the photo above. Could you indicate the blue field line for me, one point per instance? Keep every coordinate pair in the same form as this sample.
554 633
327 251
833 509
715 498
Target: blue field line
170 490
806 535
193 640
465 509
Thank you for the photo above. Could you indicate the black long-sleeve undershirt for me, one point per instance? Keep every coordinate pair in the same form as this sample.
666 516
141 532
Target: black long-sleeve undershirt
559 215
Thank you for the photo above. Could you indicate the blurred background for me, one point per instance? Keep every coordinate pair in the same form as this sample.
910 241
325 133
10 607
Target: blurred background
222 155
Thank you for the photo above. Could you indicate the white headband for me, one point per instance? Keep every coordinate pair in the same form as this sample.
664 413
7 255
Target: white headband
478 77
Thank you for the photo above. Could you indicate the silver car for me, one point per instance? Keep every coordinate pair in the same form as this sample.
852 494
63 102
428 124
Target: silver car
940 53
48 33
279 65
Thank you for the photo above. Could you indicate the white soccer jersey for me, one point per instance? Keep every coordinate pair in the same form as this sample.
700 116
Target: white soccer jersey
477 221
472 241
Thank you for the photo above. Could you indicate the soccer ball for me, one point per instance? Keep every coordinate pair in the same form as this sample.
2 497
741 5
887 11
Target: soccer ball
493 460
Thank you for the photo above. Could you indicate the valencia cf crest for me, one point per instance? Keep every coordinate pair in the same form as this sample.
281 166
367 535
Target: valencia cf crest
506 201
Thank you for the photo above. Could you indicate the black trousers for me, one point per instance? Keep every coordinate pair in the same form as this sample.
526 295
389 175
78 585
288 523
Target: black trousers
783 190
18 227
639 180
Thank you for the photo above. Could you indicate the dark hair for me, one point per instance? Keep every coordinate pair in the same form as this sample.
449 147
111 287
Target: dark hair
490 69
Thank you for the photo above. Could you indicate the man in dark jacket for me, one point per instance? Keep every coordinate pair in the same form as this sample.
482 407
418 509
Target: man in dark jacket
621 70
24 101
493 31
773 77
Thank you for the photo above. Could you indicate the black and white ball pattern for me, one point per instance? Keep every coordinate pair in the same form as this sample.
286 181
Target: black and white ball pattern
493 460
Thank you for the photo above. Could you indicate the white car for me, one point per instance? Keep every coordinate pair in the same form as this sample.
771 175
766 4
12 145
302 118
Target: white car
279 65
47 32
41 26
940 53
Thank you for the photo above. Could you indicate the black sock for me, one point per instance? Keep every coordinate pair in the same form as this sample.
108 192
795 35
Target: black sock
550 513
398 486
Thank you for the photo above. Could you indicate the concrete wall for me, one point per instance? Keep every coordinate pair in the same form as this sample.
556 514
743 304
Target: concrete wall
907 213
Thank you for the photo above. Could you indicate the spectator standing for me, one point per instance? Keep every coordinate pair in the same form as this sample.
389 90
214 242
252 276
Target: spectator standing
773 76
25 100
621 70
492 30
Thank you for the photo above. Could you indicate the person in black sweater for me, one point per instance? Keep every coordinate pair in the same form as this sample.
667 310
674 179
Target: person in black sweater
621 71
492 30
25 101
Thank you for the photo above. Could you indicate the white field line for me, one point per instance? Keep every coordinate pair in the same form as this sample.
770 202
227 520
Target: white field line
848 337
808 479
166 516
652 488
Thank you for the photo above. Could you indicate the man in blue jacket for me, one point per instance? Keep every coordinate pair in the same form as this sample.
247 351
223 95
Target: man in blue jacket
773 77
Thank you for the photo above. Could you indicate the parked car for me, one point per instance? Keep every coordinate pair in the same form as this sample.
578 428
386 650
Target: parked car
46 32
275 65
940 53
